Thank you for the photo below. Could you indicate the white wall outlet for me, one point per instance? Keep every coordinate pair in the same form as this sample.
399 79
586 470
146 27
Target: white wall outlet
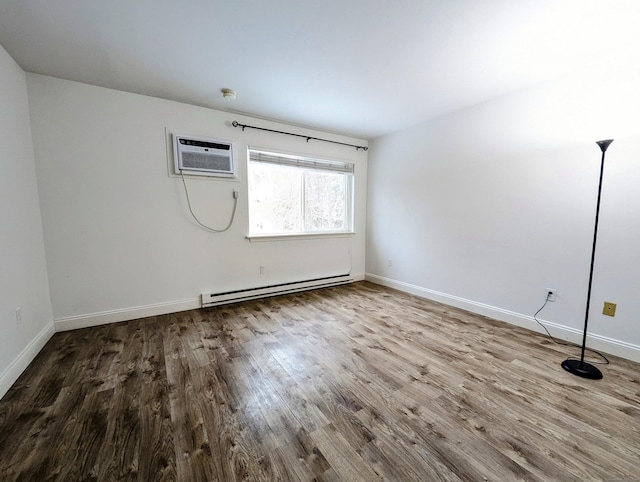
551 294
263 270
390 263
18 316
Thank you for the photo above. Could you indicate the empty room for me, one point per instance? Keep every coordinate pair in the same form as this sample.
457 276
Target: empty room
320 241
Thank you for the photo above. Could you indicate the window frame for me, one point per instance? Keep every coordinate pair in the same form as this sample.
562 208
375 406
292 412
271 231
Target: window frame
305 163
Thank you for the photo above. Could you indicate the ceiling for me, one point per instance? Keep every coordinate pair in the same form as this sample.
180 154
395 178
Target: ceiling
358 67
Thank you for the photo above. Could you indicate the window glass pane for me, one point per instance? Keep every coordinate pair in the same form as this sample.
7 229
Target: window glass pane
275 199
298 197
324 201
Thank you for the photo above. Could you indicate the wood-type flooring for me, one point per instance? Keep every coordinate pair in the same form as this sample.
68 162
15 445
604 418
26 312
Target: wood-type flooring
353 383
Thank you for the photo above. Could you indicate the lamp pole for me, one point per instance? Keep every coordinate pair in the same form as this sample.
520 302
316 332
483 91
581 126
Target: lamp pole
580 367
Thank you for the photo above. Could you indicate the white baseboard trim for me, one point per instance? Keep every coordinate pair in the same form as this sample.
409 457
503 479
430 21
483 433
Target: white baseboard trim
26 356
9 376
124 314
597 342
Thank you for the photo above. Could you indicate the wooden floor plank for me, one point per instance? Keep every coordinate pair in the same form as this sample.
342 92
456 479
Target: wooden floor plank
190 437
157 458
357 382
342 457
122 441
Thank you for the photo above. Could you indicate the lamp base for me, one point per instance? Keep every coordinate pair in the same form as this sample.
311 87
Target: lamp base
582 369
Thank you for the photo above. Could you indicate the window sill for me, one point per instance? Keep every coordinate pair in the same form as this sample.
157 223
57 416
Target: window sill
258 238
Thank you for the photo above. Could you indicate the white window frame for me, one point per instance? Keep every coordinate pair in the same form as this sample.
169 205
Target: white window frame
255 155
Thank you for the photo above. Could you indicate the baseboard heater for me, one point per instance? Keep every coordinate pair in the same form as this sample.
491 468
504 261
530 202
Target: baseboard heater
215 299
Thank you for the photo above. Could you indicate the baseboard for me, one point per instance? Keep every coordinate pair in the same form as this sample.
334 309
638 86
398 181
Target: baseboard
124 314
26 356
597 342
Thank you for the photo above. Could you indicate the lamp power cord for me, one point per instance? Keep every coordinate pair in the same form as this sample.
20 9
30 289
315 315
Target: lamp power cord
564 343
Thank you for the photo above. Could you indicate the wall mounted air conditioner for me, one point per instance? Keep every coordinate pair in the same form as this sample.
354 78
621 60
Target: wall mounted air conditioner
202 156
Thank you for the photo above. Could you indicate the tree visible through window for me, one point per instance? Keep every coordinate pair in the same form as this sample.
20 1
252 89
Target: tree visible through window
294 195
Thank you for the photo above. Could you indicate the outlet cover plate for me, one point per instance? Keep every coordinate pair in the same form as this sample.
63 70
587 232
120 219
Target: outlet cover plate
609 309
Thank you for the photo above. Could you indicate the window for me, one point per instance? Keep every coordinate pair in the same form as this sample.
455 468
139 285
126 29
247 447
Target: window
298 195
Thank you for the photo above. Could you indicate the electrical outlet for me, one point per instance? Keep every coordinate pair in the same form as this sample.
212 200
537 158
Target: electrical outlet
551 294
263 270
18 316
609 309
390 263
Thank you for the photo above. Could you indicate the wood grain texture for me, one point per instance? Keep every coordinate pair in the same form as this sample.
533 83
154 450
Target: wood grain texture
353 383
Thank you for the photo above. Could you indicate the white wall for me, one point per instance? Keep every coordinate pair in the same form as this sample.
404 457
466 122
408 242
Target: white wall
23 276
120 242
488 207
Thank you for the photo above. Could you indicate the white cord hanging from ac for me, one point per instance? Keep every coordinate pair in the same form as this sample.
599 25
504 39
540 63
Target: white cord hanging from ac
233 213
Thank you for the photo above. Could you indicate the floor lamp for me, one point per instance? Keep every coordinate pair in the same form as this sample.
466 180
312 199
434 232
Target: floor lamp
580 367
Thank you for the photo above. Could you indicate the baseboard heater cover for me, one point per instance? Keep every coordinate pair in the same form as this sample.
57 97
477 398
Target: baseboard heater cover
215 299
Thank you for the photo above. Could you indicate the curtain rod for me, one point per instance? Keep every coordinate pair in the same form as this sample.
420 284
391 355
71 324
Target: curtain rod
308 138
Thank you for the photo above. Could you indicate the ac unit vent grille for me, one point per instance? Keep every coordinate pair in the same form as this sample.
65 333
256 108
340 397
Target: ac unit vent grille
205 161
